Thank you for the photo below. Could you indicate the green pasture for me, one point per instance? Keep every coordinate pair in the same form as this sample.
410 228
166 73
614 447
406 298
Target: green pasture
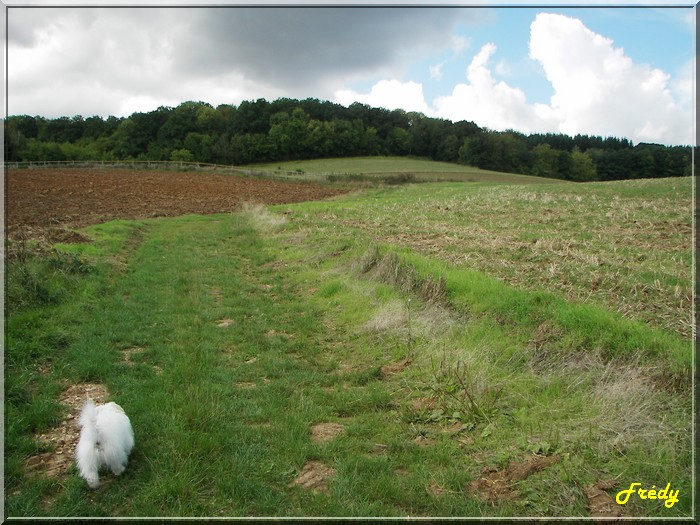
391 170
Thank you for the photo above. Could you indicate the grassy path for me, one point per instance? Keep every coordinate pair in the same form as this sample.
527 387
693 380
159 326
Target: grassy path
227 374
271 372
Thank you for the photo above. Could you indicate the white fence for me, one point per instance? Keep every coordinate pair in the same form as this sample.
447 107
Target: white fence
165 165
123 164
171 165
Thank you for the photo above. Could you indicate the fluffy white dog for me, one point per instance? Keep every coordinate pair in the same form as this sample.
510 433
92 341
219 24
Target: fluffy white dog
106 438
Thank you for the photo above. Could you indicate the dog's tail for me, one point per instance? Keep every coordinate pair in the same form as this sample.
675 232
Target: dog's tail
86 452
88 418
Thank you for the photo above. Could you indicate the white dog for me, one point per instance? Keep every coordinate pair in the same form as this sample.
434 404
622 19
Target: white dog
106 438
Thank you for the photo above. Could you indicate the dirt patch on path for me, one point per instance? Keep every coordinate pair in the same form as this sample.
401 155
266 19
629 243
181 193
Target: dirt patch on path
324 432
494 485
78 197
64 438
313 477
600 504
394 368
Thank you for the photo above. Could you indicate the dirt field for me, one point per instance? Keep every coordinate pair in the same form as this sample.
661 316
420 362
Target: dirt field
78 197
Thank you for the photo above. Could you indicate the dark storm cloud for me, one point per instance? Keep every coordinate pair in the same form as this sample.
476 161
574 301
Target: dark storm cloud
299 46
114 60
27 25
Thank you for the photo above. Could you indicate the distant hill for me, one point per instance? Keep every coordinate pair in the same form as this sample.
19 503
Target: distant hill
420 170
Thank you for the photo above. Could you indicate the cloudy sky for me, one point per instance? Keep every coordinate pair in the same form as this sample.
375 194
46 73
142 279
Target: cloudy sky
625 72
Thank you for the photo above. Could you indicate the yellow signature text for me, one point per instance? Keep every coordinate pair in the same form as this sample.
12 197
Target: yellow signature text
670 497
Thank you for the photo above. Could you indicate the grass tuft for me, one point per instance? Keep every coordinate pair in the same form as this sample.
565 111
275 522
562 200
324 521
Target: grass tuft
392 270
463 392
262 218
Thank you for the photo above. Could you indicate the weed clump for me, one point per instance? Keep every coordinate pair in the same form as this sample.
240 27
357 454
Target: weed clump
390 269
433 290
394 179
369 259
348 177
463 394
262 219
38 277
399 178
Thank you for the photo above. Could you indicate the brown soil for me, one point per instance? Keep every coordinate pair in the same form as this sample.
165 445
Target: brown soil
423 441
600 504
129 353
324 432
313 477
494 485
78 197
395 368
421 404
64 438
436 490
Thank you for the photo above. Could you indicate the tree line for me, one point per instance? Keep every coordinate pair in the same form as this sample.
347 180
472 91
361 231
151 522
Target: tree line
288 129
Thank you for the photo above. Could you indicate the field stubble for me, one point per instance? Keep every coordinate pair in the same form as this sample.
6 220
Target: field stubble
623 245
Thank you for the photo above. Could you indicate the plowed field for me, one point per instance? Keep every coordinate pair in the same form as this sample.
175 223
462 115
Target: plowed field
77 197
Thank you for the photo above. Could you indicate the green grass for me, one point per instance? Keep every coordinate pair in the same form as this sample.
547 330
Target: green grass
389 169
320 301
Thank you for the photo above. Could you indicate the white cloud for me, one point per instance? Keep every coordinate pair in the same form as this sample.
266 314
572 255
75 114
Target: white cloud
459 44
83 62
123 58
598 90
436 71
503 68
103 61
683 85
389 94
489 103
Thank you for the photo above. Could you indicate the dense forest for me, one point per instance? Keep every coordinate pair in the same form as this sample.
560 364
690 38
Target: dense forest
288 129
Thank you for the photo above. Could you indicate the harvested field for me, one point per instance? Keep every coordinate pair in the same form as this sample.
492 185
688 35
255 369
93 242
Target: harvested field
626 245
78 197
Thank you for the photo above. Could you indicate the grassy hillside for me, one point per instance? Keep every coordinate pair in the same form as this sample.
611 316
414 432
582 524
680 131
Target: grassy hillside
353 168
427 350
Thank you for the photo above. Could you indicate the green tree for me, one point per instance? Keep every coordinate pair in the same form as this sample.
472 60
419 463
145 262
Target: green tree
38 150
181 155
449 149
279 135
249 148
399 141
181 121
124 141
582 167
200 145
318 142
495 151
372 142
545 161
